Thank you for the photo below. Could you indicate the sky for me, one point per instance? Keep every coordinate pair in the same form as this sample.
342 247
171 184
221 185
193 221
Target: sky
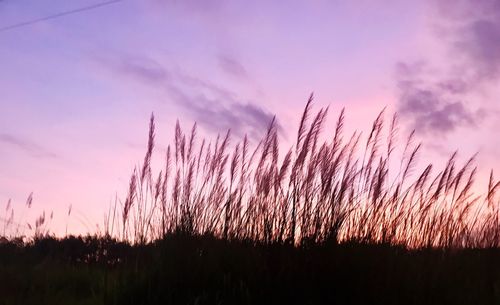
77 90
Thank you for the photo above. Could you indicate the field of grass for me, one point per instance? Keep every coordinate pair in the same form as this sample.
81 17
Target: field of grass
204 270
349 219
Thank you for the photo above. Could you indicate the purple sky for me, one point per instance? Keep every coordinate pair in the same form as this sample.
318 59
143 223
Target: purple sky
76 91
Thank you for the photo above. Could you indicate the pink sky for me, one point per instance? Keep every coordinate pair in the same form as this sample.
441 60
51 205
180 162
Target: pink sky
76 91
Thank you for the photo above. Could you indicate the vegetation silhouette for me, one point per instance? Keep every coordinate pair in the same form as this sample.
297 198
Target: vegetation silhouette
318 191
334 221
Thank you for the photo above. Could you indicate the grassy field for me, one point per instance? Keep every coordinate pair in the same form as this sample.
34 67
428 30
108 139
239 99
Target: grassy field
348 219
205 270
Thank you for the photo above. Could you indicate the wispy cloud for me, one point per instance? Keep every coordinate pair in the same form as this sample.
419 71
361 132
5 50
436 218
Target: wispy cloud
443 100
214 107
140 68
475 34
211 112
232 66
437 107
32 148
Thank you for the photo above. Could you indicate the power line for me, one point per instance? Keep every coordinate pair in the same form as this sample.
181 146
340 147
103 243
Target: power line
70 12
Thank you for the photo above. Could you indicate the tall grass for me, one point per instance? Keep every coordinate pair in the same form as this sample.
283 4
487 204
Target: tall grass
220 222
345 188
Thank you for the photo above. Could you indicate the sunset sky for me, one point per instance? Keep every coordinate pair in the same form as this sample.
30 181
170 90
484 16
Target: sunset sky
77 90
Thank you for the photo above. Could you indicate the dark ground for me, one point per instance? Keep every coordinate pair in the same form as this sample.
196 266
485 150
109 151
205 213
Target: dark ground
204 270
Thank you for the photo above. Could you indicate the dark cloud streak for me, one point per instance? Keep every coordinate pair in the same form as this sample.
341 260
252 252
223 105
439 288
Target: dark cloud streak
214 107
28 146
232 66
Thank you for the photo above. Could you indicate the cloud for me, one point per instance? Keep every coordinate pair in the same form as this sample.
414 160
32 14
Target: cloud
231 66
143 69
443 100
481 44
475 34
241 118
32 148
212 106
433 106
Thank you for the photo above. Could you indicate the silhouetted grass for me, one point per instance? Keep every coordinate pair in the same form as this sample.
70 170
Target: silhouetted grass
345 220
346 188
